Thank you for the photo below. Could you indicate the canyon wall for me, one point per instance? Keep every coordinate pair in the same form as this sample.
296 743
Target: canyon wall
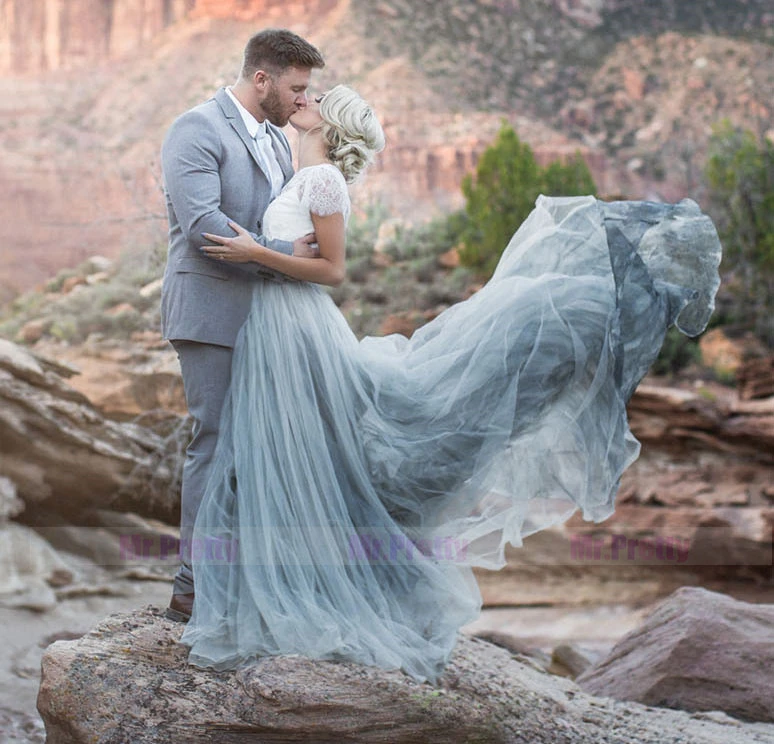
49 35
89 87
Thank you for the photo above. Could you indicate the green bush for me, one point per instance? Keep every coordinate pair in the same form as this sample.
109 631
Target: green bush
677 352
65 328
424 269
83 310
508 180
358 269
460 279
437 236
362 231
55 284
740 176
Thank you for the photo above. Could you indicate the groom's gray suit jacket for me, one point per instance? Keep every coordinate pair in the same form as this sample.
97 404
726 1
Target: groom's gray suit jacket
212 174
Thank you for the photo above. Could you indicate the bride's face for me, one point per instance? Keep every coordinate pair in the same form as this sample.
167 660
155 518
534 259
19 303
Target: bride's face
308 117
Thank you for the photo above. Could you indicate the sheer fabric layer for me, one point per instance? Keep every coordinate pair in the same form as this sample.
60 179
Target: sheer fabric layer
356 483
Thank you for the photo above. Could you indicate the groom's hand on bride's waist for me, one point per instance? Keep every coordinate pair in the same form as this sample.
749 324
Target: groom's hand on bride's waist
306 247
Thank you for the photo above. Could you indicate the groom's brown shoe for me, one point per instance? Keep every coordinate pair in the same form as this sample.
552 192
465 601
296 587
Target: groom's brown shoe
180 608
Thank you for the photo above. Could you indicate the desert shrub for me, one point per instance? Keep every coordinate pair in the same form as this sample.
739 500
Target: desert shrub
740 178
362 230
424 269
507 182
677 352
358 268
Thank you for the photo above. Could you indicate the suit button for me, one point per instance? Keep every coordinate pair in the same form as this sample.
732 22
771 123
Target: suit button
258 224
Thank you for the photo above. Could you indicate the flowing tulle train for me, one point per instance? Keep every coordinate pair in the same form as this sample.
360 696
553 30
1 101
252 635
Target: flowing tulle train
356 483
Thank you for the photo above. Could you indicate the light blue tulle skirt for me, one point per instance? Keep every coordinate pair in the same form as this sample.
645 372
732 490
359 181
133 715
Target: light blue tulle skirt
356 483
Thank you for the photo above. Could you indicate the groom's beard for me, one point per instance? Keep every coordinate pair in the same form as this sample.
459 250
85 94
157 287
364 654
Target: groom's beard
272 107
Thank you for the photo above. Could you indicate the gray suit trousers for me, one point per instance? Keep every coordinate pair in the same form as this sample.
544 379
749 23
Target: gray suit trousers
206 370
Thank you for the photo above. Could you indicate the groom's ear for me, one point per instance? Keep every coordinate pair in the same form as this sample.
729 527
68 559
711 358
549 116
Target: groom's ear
261 79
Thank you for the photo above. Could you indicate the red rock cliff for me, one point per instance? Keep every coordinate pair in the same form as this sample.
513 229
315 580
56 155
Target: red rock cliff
44 35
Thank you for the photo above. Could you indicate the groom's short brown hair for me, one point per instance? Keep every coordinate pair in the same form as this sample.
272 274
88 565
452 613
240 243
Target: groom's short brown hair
277 49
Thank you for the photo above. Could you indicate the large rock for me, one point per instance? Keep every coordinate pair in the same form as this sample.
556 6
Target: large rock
125 379
703 418
721 536
30 569
756 378
116 540
698 650
60 452
704 477
10 503
128 681
703 484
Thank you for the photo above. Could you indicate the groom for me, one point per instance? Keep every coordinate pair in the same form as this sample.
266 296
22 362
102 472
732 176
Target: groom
223 160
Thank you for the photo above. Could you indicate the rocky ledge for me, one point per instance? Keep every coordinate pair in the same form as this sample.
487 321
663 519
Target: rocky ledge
128 680
698 650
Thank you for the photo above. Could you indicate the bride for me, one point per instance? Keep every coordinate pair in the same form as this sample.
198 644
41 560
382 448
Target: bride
356 483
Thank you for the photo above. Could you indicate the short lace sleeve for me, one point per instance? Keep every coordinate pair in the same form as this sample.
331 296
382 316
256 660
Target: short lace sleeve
324 191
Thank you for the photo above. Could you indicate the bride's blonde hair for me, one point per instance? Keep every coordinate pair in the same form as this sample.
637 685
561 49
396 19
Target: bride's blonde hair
351 131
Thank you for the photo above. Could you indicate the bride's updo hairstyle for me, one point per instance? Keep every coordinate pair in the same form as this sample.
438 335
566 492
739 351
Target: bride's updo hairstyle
351 130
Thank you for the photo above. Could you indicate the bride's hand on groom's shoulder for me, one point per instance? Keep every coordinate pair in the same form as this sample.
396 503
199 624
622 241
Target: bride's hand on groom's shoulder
239 249
306 247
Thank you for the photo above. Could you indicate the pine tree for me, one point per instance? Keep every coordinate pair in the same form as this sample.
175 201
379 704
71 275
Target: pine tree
507 182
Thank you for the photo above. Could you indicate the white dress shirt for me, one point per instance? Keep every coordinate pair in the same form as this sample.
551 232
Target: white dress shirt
263 146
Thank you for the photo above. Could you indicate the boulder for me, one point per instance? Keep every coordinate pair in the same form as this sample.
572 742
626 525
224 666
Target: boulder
152 289
97 278
706 418
115 540
571 660
127 379
679 536
71 283
30 569
33 330
697 651
702 482
404 323
756 378
389 234
62 453
95 264
10 504
128 681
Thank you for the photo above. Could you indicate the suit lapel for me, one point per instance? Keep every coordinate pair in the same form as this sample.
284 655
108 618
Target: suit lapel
231 112
281 149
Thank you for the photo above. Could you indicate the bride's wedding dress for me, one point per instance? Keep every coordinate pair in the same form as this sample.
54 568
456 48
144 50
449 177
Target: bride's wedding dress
355 483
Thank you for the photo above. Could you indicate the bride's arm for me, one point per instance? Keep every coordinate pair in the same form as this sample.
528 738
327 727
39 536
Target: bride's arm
328 268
